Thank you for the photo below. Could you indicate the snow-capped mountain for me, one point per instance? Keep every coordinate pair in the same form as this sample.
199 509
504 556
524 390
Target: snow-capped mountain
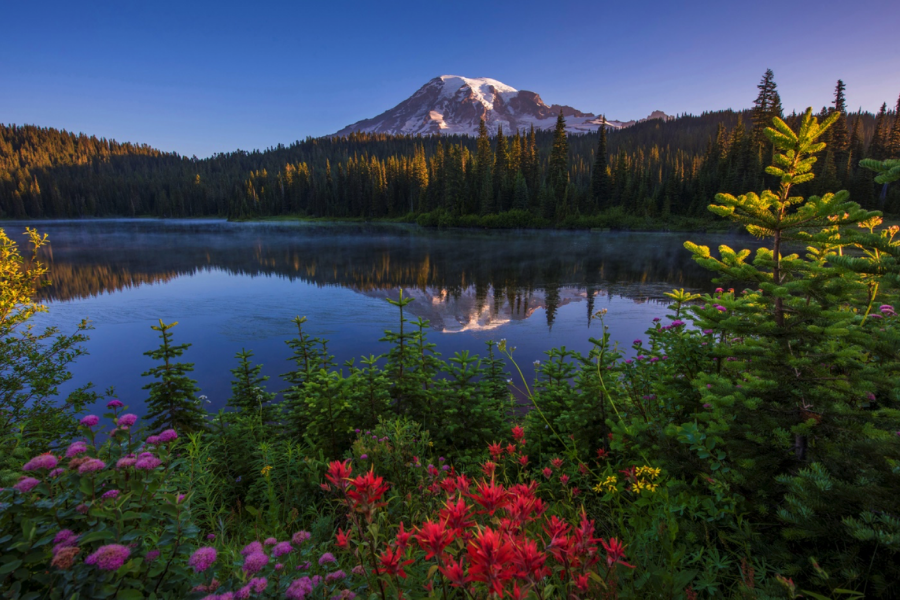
450 104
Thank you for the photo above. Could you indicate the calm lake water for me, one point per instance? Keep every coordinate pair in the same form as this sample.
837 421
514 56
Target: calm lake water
237 285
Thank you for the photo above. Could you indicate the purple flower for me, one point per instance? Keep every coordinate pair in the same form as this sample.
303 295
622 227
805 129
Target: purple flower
887 309
110 557
151 556
270 541
254 562
169 435
127 420
304 566
41 461
75 449
299 588
202 559
707 405
113 494
127 461
114 404
709 386
358 570
281 549
300 537
653 359
211 536
91 465
64 535
357 430
656 319
147 463
279 566
364 457
316 580
637 342
251 548
90 420
258 584
445 468
328 557
335 576
640 357
82 509
707 332
720 308
677 323
629 361
180 499
56 472
441 459
153 440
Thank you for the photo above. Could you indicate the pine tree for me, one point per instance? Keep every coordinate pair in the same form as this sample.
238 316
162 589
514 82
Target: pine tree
248 392
766 106
501 172
599 174
894 144
558 168
172 403
839 134
878 149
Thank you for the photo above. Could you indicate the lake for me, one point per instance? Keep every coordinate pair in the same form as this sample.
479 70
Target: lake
238 285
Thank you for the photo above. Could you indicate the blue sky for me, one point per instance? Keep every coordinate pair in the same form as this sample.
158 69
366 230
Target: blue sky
204 77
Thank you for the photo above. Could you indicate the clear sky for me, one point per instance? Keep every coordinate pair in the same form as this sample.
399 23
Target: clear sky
203 77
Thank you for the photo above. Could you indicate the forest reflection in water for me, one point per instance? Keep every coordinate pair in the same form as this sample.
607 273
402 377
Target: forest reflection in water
235 285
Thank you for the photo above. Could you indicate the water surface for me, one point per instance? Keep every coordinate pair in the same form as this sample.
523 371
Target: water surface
238 285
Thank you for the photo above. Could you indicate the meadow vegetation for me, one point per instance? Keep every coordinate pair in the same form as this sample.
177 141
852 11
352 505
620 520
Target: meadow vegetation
748 446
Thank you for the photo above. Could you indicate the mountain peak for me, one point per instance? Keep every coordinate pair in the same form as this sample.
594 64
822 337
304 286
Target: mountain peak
452 104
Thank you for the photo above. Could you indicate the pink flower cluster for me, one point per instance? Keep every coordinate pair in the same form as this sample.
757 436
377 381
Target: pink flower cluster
75 449
110 557
42 461
202 559
26 484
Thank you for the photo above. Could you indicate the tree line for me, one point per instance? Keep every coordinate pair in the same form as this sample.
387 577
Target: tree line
653 170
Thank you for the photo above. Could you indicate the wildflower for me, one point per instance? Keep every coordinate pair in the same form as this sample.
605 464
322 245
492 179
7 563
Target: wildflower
548 472
656 319
91 465
488 468
153 440
255 561
304 566
491 559
495 450
124 462
647 472
113 404
82 509
42 461
300 537
523 460
151 556
390 563
607 485
720 308
169 435
90 420
602 453
270 541
537 363
251 548
110 495
403 537
328 557
299 588
364 457
339 473
75 449
148 463
454 572
677 323
281 549
64 535
56 472
615 552
202 559
637 342
127 420
211 536
557 463
65 558
358 570
887 309
335 576
433 538
265 471
629 361
366 492
110 557
457 516
490 496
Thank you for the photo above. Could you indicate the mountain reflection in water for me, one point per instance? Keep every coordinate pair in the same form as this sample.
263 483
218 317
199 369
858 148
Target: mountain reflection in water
237 285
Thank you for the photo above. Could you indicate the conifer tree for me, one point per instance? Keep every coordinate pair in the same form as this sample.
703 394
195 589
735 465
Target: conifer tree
894 144
839 134
766 106
599 174
878 149
501 171
172 403
248 392
558 168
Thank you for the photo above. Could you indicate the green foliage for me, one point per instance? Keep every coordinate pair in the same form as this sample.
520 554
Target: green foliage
248 391
173 402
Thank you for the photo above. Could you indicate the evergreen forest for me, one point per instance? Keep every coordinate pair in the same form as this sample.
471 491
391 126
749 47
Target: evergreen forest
653 174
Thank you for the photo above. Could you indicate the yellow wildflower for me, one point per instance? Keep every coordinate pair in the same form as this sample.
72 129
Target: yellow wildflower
266 470
607 485
647 472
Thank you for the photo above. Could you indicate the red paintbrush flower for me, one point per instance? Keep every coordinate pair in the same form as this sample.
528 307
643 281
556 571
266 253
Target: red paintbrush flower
365 493
582 582
343 538
491 558
615 552
403 538
601 453
462 483
496 450
511 449
454 572
548 472
557 463
339 473
433 538
518 433
523 460
490 495
529 561
390 564
457 516
488 469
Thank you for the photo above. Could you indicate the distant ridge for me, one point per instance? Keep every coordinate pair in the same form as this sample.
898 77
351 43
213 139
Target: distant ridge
451 104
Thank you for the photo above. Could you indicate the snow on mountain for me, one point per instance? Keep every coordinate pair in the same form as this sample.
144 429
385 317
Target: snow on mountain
451 104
